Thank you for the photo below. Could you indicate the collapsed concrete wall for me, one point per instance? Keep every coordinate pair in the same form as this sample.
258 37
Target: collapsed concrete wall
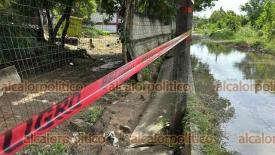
144 34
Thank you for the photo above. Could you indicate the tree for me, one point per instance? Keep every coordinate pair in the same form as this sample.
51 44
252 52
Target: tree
203 4
233 21
84 8
161 9
253 8
267 19
226 19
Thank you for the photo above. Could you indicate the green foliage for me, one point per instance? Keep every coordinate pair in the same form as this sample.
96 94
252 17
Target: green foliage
206 111
94 114
222 34
202 4
266 19
84 8
253 8
160 9
146 74
92 32
224 19
157 9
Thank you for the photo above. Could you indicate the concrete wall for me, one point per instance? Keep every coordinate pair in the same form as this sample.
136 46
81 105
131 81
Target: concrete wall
146 34
99 19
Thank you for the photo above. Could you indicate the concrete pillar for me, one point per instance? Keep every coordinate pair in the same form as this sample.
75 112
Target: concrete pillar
182 62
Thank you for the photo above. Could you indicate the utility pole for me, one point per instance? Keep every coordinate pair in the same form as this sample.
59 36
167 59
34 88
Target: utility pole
182 63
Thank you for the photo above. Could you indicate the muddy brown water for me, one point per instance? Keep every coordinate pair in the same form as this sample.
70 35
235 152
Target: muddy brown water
252 130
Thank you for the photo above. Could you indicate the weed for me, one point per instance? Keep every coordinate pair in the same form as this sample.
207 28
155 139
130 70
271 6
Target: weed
94 114
54 149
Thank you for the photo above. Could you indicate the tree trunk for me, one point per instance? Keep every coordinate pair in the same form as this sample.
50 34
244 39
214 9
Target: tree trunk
60 21
65 30
50 27
40 32
127 21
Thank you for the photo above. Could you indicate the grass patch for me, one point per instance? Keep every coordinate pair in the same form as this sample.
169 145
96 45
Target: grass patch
93 114
92 32
151 72
54 149
222 34
207 111
244 37
205 118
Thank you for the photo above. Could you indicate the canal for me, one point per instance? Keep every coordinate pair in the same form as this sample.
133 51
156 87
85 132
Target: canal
246 80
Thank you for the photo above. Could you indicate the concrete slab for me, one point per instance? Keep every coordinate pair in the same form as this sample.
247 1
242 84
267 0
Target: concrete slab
158 110
8 76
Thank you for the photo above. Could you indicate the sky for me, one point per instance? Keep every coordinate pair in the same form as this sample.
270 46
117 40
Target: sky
226 5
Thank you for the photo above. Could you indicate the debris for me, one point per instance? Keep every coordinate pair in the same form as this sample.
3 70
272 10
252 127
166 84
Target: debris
112 138
125 128
45 101
115 102
8 76
109 65
75 138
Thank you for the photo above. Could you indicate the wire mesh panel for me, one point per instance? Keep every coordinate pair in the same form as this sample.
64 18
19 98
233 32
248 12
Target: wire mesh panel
48 54
36 58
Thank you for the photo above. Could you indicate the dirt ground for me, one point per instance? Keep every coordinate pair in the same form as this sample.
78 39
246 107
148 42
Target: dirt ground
17 106
119 111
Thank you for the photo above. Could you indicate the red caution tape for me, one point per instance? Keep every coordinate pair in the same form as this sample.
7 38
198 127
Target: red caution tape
16 138
187 9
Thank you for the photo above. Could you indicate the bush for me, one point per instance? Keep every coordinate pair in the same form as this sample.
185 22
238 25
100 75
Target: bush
222 34
92 32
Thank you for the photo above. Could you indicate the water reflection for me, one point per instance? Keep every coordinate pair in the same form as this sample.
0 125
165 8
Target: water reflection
254 110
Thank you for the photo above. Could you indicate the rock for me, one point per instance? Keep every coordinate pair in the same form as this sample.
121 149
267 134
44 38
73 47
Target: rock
125 128
98 127
111 137
45 101
109 65
115 102
95 69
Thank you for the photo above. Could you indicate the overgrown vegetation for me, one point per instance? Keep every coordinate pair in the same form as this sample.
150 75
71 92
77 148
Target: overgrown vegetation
53 149
92 32
164 10
207 111
256 29
93 114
